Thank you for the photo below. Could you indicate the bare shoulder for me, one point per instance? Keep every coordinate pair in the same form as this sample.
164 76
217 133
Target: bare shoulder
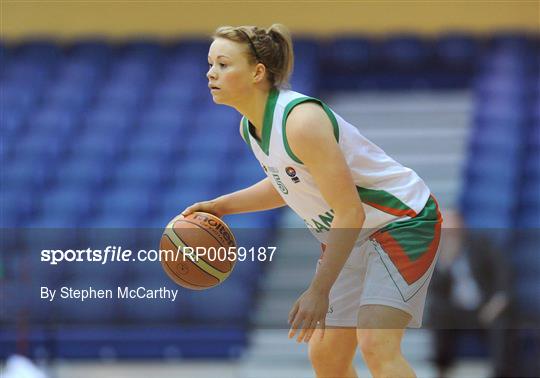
308 120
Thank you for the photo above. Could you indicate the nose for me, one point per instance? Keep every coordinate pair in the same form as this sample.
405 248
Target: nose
211 74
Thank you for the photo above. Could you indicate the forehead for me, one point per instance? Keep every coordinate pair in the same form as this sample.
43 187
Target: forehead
222 46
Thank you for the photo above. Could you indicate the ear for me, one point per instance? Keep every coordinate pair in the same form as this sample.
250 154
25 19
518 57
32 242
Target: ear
259 73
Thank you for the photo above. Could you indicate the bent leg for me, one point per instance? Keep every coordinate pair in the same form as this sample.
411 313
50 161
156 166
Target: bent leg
380 331
333 355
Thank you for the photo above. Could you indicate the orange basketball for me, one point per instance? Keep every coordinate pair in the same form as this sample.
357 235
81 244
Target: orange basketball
197 251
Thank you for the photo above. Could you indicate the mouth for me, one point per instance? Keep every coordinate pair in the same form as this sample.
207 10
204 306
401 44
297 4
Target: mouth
213 87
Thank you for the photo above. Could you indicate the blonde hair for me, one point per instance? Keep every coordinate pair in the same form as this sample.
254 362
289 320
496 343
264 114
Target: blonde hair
271 47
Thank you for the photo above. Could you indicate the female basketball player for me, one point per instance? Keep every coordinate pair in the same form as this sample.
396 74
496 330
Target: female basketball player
377 222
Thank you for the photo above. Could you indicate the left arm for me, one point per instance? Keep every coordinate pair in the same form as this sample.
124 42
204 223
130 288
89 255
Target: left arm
310 136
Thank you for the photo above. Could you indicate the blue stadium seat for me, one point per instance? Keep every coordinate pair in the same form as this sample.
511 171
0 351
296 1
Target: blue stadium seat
129 201
244 173
350 54
201 146
482 192
197 172
154 143
504 140
79 72
27 172
305 46
11 122
133 72
16 98
195 48
493 166
508 62
529 217
83 172
405 52
109 119
171 120
17 203
122 94
514 89
457 51
69 96
532 165
511 41
43 51
57 219
489 218
172 94
228 303
221 120
109 220
56 121
142 50
76 201
25 74
93 51
40 146
97 147
186 71
141 171
246 272
5 53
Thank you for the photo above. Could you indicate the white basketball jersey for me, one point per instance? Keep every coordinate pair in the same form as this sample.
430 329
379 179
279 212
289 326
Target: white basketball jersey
388 190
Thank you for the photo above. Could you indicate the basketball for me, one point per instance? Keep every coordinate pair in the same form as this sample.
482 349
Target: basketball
198 251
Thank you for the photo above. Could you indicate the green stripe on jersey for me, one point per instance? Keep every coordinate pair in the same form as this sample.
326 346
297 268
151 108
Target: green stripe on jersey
290 107
384 201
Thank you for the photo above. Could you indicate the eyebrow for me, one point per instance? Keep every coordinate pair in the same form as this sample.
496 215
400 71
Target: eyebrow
219 56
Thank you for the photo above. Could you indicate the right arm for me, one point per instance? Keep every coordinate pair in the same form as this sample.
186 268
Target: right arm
258 197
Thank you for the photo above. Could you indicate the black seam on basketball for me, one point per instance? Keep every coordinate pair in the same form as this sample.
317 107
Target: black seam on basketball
183 279
202 270
224 225
202 258
209 233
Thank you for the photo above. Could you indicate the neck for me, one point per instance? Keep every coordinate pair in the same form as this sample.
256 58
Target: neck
253 108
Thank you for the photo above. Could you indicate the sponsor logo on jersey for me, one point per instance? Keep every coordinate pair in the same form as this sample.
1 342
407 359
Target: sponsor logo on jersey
277 179
290 171
280 184
292 174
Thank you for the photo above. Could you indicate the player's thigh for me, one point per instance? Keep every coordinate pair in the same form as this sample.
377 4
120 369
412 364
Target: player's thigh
381 328
377 316
338 344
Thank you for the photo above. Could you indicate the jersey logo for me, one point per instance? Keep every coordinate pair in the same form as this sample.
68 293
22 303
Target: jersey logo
277 179
292 174
323 223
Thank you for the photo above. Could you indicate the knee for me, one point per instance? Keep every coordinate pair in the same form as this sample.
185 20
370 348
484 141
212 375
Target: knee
330 359
376 348
324 356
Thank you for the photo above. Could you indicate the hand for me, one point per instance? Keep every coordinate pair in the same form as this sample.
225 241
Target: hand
310 311
205 206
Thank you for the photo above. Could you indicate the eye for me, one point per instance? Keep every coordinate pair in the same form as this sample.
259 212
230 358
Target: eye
222 65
